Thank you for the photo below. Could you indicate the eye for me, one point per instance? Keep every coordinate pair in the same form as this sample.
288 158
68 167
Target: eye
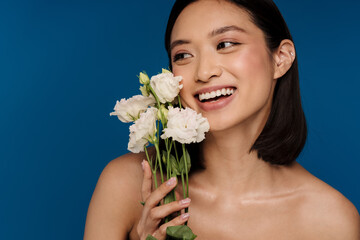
181 56
225 45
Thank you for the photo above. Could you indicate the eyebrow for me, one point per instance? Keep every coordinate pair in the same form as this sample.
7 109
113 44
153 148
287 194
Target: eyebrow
177 43
226 29
211 34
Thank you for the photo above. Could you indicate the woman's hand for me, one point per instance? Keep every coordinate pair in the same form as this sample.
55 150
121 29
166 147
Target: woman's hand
153 214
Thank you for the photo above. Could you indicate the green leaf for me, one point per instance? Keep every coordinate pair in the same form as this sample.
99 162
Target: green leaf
181 165
164 157
169 198
182 162
188 160
181 232
149 237
174 165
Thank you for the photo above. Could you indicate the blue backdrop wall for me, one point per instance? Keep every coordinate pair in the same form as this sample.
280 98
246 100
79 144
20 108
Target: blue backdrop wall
63 64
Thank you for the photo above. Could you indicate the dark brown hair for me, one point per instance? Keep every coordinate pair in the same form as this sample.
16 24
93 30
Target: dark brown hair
285 131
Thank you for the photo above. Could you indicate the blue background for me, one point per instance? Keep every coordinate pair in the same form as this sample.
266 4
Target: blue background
63 64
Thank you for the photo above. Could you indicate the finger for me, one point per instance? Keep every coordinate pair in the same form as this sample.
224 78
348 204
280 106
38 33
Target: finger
161 192
161 232
167 209
146 185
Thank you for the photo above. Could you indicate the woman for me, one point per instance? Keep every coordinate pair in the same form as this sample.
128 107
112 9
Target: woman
249 186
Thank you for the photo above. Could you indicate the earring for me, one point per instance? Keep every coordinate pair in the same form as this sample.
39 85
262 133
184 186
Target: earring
291 53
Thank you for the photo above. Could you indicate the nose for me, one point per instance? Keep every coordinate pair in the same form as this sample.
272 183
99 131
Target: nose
208 68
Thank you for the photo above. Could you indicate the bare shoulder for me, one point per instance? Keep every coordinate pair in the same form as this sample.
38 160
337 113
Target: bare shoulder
326 213
115 203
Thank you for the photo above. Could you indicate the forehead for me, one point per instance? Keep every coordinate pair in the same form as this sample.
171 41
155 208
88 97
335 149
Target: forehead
202 17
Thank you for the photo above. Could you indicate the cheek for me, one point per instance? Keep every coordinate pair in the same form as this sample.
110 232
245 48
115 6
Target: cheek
254 75
186 91
254 69
253 62
187 99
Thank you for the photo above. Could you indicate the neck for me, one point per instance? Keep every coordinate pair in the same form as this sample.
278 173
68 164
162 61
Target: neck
229 164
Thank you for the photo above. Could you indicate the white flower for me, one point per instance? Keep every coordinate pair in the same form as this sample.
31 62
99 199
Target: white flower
185 126
166 86
143 130
129 110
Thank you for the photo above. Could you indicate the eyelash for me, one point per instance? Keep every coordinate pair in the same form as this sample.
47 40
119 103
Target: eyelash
180 56
218 47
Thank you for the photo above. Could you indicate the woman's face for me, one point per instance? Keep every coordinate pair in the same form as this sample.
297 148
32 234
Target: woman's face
227 71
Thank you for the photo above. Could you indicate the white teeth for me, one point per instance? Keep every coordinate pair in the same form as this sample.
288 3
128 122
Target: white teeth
217 93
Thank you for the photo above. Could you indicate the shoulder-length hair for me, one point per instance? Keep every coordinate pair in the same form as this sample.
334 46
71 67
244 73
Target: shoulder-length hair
284 134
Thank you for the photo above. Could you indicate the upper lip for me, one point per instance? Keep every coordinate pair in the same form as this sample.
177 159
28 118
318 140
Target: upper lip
213 88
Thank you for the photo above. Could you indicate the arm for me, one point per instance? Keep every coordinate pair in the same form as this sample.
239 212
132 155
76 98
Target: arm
332 217
115 206
115 203
345 221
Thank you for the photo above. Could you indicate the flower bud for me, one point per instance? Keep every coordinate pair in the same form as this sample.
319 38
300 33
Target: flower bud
164 159
144 78
144 91
152 139
162 114
165 71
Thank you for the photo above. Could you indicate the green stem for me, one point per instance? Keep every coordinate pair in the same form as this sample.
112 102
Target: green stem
167 160
169 173
182 174
157 131
176 154
159 160
186 172
168 152
153 170
183 185
155 96
187 176
179 101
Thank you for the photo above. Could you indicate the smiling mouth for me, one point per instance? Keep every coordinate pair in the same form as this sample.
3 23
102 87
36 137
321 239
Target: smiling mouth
215 95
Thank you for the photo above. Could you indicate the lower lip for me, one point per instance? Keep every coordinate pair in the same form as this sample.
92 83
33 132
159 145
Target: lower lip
216 105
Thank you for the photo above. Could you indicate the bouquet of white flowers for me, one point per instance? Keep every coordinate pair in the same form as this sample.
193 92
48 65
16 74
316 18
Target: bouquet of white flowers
155 117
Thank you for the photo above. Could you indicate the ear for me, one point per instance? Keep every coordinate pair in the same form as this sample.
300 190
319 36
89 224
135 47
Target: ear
283 57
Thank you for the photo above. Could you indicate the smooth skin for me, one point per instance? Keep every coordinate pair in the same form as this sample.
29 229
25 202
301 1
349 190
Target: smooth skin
237 196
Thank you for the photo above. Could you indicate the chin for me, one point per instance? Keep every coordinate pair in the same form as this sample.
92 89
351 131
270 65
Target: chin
219 124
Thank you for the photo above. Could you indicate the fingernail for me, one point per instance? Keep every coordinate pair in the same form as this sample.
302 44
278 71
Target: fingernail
171 181
142 164
185 201
185 216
